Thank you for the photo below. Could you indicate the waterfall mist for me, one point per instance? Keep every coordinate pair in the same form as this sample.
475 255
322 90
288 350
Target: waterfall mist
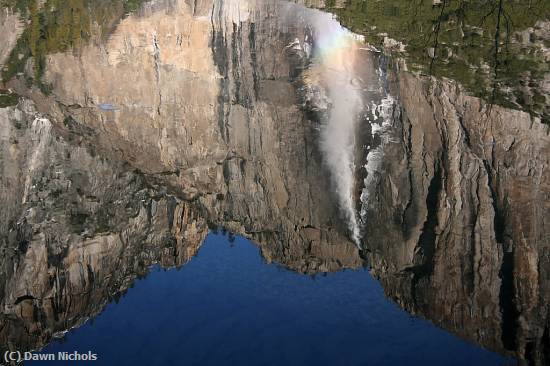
337 89
335 50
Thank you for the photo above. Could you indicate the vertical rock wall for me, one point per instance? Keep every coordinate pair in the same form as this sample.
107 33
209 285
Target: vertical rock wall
197 113
459 234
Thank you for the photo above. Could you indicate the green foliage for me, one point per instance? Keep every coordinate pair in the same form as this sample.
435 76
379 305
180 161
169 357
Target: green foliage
59 26
132 5
472 41
8 99
20 5
78 221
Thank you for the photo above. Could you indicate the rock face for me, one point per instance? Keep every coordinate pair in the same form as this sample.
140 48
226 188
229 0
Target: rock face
211 113
460 207
178 122
10 28
78 229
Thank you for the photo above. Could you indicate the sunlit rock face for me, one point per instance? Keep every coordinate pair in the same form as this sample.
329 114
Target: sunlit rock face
273 121
204 98
186 116
10 28
81 228
459 215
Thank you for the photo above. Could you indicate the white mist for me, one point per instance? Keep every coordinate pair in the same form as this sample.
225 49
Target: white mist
333 67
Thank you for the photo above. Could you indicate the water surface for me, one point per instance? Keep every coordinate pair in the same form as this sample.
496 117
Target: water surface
127 130
227 306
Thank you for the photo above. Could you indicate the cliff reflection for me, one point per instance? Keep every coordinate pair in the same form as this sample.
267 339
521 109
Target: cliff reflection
457 217
191 115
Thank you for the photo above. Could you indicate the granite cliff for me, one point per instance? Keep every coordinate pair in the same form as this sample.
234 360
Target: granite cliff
189 115
458 216
177 123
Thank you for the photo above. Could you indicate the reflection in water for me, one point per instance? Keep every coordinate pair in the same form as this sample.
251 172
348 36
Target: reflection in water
497 50
188 115
226 306
333 71
59 26
454 230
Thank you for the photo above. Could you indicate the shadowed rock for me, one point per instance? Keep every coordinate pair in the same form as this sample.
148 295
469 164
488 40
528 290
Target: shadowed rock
196 115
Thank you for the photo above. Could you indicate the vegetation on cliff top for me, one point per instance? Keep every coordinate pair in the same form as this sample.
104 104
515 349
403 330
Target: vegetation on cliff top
59 26
497 49
8 99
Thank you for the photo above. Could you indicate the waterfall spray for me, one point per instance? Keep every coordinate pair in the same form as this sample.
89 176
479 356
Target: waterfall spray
333 67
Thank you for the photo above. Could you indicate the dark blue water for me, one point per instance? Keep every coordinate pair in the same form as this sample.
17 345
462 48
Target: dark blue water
227 307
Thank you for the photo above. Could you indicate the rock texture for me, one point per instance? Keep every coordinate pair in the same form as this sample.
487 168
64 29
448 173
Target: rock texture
77 229
196 114
179 121
458 230
10 28
213 113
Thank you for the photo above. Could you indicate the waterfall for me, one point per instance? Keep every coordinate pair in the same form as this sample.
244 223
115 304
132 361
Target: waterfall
333 69
342 96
